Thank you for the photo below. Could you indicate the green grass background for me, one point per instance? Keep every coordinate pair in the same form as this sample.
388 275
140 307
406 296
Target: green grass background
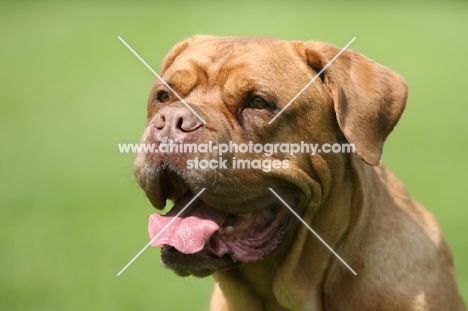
71 213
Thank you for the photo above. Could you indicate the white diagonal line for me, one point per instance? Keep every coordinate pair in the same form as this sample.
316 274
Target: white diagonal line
160 232
313 79
161 79
312 230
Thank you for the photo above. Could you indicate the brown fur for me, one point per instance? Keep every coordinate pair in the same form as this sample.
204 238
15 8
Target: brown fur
355 204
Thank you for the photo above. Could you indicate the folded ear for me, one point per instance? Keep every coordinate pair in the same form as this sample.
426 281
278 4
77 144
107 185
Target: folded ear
179 48
172 55
368 97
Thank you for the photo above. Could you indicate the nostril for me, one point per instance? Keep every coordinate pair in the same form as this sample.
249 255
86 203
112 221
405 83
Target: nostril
160 122
179 124
186 123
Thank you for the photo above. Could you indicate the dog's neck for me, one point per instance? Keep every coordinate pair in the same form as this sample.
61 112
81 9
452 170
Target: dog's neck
271 283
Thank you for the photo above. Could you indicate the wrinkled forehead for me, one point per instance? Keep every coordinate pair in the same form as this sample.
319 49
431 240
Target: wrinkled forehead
223 57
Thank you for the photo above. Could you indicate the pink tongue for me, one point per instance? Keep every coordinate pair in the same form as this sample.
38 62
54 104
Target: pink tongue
188 232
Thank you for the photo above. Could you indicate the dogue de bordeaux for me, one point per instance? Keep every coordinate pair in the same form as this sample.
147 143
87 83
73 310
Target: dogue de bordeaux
225 91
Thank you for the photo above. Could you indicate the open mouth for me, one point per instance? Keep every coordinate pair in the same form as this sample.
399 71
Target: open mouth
244 237
202 230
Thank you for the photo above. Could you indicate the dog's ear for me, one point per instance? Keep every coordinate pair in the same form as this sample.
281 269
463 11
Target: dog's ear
179 48
368 98
172 55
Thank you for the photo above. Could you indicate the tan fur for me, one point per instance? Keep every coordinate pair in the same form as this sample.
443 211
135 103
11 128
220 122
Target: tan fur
356 205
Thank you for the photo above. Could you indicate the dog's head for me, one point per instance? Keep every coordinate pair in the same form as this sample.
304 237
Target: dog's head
224 92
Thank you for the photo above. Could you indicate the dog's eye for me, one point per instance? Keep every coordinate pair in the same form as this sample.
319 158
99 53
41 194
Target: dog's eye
257 102
163 96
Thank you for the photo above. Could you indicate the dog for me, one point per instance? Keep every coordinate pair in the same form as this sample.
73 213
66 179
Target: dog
226 221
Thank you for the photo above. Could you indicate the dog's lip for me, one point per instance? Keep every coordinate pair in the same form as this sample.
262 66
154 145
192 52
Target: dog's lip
200 264
166 184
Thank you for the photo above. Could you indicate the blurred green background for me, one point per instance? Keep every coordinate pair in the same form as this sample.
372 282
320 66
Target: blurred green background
71 213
